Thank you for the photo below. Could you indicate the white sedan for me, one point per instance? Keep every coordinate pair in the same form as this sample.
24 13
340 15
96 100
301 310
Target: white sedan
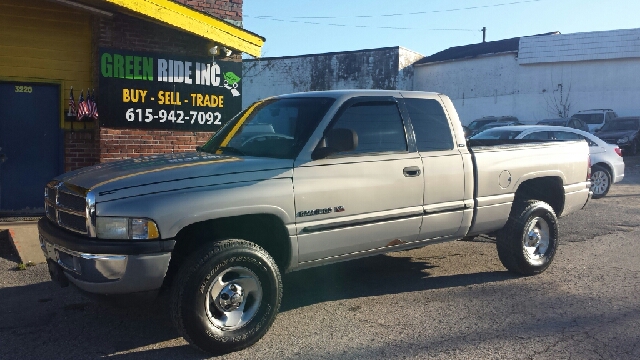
607 165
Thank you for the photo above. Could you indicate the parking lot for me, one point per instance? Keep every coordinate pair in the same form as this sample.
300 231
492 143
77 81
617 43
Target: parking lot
446 301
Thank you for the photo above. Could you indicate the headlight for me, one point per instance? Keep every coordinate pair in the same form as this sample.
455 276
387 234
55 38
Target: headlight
126 228
623 140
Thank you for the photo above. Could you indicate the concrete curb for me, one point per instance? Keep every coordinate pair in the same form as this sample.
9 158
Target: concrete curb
23 235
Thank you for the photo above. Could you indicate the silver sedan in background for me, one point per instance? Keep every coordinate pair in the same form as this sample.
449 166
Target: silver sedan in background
607 166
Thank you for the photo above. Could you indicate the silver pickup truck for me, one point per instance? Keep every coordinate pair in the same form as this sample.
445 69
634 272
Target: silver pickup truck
297 181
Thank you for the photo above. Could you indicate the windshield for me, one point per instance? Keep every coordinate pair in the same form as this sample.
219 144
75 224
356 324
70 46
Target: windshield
497 134
590 118
276 128
630 124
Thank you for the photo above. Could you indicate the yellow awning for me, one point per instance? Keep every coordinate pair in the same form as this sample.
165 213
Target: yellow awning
195 22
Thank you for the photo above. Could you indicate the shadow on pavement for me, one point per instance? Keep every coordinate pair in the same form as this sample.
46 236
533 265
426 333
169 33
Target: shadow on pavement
41 319
373 276
7 251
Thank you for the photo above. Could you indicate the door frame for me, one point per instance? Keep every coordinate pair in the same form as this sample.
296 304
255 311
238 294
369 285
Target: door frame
61 145
59 82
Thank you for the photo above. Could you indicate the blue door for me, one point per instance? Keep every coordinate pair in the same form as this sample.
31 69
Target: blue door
30 151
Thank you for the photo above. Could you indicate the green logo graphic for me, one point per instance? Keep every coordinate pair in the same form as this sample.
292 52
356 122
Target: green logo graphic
231 77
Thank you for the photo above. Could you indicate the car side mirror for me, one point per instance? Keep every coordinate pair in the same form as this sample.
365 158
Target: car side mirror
335 141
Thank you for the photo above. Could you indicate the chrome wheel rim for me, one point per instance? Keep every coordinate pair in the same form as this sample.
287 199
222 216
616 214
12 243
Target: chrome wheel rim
233 298
600 182
537 238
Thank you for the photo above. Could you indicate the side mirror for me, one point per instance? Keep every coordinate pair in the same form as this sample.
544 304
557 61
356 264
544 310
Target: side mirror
334 141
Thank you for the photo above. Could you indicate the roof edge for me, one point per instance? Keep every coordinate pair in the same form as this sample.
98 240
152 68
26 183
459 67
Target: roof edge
322 54
467 58
197 23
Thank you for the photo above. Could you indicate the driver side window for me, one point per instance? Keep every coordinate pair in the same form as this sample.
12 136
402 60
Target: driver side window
378 126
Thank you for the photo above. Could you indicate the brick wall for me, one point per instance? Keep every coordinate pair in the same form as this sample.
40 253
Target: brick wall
88 147
226 10
131 33
117 144
80 149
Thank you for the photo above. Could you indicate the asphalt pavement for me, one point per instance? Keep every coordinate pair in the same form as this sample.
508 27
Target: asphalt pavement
445 301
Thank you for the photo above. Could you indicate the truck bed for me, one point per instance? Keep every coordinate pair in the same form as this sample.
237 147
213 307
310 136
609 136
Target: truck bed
504 168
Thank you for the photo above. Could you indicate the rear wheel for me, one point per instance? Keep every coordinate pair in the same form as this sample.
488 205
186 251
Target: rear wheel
226 296
527 244
600 181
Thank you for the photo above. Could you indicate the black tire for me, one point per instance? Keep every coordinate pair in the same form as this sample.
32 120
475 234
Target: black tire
600 180
238 268
528 242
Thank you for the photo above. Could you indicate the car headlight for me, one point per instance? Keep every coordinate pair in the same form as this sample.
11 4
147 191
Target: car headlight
126 228
623 140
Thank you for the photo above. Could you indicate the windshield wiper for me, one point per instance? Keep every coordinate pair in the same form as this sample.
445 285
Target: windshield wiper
232 149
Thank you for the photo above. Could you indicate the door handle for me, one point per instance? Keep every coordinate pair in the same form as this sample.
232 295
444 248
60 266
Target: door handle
2 158
411 171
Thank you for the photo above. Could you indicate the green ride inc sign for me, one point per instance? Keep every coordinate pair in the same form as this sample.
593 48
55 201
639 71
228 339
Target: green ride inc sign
151 91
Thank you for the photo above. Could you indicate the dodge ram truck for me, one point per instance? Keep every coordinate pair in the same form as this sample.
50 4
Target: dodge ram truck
297 181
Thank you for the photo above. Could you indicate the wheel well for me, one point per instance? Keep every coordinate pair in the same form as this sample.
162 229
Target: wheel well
268 231
604 165
547 189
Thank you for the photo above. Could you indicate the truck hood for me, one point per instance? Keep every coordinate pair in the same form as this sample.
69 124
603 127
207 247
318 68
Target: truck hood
168 172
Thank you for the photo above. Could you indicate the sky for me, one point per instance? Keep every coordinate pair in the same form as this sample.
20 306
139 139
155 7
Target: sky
299 27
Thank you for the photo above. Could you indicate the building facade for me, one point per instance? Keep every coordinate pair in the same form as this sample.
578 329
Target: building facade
52 52
538 77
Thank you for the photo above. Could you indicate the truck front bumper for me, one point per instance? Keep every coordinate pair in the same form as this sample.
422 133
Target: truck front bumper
104 266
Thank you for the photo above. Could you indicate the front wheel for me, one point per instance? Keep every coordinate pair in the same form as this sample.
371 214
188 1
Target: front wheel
528 242
600 181
226 296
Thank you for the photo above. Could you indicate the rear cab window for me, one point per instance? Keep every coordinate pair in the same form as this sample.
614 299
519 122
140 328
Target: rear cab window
430 124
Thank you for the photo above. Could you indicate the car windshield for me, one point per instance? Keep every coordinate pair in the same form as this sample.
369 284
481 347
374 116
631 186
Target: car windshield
277 128
590 118
614 125
497 134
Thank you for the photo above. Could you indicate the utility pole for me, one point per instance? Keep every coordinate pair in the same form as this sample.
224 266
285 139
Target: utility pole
484 33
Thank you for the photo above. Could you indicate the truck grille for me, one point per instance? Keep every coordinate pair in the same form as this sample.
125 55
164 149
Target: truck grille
71 202
72 222
66 207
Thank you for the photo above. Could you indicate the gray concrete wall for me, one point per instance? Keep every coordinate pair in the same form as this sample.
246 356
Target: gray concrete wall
385 68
